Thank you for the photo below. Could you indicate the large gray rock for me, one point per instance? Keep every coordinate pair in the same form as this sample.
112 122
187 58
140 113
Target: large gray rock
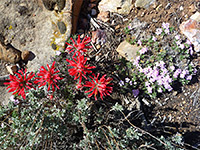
128 51
118 6
191 29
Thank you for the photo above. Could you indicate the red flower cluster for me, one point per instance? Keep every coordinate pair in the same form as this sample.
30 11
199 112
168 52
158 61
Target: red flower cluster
99 85
80 69
48 76
78 46
20 83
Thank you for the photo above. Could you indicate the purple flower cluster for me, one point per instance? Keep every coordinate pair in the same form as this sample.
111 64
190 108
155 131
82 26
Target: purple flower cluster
184 74
143 50
158 75
165 28
182 45
127 80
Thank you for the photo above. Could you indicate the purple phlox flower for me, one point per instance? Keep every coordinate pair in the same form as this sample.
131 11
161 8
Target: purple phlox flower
121 83
141 69
152 80
154 75
188 42
148 71
178 42
158 31
58 53
159 80
147 84
130 83
190 50
129 27
167 79
183 73
160 90
172 68
143 50
154 38
149 89
195 71
127 80
181 46
15 101
162 64
177 37
176 73
136 61
139 42
189 77
136 92
165 25
164 72
167 31
167 86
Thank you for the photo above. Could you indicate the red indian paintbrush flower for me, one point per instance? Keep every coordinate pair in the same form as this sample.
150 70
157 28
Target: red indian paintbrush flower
48 76
78 46
20 83
100 86
79 69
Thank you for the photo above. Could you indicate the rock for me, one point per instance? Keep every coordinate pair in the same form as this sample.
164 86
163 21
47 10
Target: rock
99 36
118 6
192 8
62 27
144 3
104 16
25 55
60 4
12 69
191 29
49 4
98 46
181 8
9 54
92 5
93 12
128 51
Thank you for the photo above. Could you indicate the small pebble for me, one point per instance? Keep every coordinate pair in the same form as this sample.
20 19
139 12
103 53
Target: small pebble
181 8
117 27
12 69
53 45
61 26
93 12
98 46
154 20
143 13
25 55
168 6
92 5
